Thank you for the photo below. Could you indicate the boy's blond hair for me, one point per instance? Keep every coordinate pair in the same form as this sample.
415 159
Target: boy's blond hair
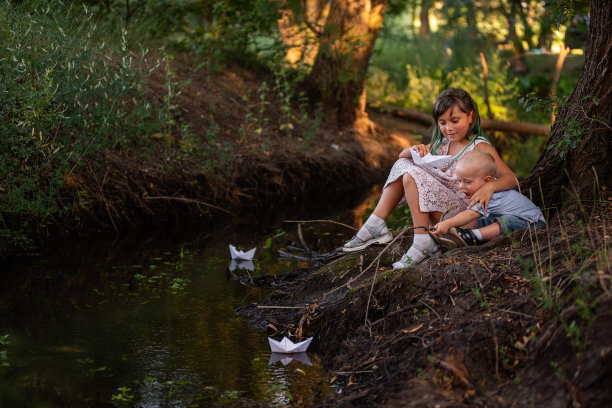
480 160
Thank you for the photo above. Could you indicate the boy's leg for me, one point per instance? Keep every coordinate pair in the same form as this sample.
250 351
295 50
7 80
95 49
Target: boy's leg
490 231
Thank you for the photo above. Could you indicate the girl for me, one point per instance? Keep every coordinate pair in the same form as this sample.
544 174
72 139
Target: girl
431 192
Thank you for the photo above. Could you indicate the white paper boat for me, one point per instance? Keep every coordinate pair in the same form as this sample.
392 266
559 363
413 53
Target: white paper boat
287 358
286 346
430 160
241 255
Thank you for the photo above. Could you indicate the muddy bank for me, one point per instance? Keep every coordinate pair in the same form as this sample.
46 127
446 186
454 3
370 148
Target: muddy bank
227 169
523 320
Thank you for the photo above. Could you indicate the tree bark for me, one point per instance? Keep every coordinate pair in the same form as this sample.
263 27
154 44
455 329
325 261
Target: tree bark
424 31
518 63
339 71
577 173
300 32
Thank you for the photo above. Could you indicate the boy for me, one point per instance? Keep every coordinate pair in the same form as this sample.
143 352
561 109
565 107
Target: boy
507 211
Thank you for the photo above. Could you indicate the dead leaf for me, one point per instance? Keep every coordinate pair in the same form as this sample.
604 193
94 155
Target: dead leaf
413 329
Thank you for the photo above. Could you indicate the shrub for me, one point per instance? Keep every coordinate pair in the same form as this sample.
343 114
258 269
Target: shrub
63 95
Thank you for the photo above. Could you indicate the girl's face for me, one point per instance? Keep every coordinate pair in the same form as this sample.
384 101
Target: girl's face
454 124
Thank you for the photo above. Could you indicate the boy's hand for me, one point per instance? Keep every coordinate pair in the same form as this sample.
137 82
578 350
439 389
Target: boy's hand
482 197
440 229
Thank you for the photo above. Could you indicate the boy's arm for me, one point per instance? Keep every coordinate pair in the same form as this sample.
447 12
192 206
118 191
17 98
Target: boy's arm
458 220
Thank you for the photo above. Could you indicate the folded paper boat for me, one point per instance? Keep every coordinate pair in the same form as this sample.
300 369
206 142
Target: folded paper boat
286 346
241 255
430 160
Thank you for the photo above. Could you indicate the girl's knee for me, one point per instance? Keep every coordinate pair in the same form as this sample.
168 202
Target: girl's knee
407 180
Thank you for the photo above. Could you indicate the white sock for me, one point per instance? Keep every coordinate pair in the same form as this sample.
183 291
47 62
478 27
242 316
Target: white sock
477 233
373 221
422 241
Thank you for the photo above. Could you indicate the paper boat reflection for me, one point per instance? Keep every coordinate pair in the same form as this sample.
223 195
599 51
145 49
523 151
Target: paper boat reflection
236 264
287 346
286 358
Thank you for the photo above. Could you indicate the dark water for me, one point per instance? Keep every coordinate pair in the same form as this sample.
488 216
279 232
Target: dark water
148 321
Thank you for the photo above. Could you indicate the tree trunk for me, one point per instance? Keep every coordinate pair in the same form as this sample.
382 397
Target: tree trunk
582 169
424 31
338 74
299 32
518 63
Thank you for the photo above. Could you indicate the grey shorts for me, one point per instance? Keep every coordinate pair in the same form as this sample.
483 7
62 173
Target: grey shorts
508 223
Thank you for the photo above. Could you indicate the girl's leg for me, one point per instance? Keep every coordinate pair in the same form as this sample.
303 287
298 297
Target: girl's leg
391 195
423 245
411 193
374 230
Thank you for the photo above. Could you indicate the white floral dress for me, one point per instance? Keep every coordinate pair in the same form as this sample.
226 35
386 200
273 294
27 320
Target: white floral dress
438 188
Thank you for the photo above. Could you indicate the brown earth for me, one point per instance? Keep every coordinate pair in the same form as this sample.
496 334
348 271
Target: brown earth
237 169
524 320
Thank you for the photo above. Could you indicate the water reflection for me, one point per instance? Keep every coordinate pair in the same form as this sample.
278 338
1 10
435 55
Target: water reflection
287 358
149 321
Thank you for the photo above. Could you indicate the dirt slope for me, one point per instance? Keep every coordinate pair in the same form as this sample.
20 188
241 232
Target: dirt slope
523 320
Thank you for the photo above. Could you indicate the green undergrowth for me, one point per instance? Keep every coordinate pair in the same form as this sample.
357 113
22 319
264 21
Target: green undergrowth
65 95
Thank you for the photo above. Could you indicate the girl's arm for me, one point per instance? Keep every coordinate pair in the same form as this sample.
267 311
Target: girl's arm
423 149
459 220
505 179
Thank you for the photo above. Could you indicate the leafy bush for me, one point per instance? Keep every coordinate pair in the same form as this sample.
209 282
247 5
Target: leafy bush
62 96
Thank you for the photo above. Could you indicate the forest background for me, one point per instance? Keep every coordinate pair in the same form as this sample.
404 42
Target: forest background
88 83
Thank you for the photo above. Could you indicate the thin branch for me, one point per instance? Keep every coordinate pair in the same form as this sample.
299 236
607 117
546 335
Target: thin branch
189 200
330 221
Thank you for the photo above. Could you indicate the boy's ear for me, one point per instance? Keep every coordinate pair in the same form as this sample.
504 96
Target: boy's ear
488 179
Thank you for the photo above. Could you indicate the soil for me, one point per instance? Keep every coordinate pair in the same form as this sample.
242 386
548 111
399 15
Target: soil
524 320
236 169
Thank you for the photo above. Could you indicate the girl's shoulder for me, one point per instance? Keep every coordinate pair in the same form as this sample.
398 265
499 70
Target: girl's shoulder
482 144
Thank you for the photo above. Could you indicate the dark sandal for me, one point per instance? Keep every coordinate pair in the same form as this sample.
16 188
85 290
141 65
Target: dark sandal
443 242
464 237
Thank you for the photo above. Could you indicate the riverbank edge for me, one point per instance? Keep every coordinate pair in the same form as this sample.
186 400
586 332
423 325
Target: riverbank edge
524 320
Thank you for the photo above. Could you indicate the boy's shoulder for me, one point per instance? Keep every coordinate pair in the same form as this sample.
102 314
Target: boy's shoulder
505 194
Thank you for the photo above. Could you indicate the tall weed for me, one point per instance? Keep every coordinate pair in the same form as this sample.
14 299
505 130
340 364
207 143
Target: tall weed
63 95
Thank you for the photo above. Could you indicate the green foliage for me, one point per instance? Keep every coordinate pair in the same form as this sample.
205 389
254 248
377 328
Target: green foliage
411 72
4 342
220 31
63 96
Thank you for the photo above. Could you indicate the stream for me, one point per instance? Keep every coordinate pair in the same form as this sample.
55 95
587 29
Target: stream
147 320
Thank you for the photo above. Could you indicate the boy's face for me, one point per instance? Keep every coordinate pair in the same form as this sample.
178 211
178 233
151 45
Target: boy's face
471 178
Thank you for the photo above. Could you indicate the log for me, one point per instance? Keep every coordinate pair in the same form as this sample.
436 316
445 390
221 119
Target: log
487 124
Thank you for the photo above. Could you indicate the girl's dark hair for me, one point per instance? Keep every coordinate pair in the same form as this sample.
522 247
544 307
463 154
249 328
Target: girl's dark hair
449 98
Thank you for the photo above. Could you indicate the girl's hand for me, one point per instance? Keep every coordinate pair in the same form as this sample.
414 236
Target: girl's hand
422 149
405 154
482 197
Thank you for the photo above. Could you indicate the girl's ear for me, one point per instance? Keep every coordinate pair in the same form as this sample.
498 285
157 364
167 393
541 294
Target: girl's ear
471 117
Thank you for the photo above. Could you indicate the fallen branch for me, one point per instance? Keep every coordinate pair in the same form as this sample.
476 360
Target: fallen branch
330 221
487 124
189 200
